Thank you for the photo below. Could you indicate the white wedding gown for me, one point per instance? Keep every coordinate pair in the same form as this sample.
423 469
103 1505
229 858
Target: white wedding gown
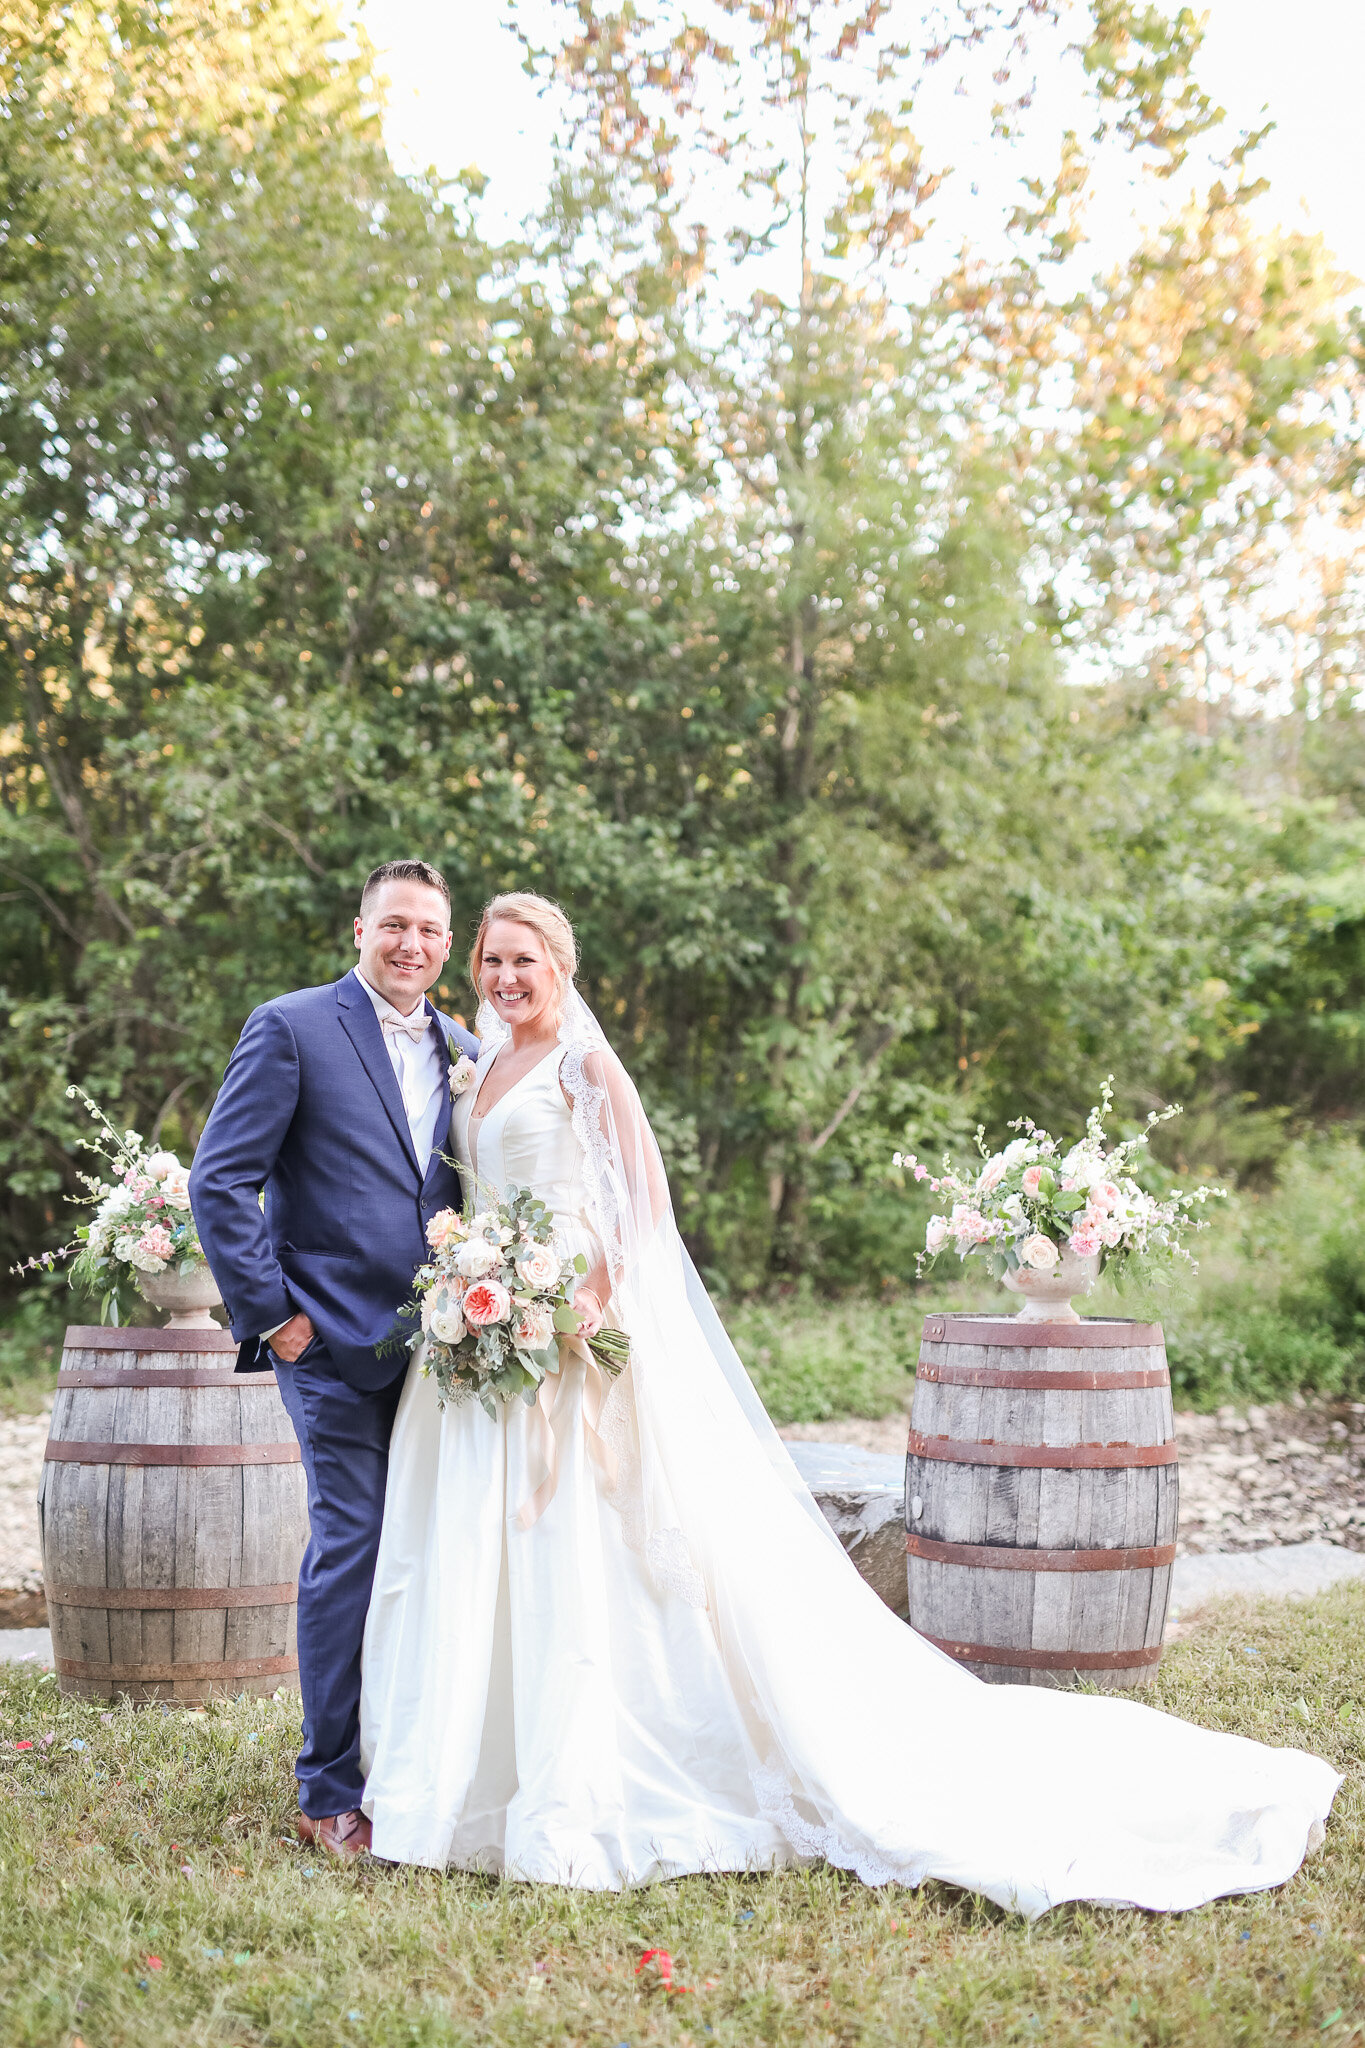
681 1671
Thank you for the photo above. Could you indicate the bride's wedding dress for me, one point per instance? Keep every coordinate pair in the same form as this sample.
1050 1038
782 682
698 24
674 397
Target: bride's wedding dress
675 1668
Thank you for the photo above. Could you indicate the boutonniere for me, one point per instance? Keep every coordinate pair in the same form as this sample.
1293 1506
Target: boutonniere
462 1073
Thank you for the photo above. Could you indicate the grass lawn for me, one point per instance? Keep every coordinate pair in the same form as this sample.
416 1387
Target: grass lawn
150 1896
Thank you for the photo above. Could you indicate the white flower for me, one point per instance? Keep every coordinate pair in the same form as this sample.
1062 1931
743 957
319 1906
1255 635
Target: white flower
124 1247
936 1235
441 1317
176 1188
992 1174
1082 1168
538 1266
535 1326
145 1261
115 1204
486 1224
462 1072
1039 1253
476 1258
1017 1149
162 1163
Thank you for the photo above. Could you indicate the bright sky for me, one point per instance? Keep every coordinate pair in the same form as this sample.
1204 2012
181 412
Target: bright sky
458 97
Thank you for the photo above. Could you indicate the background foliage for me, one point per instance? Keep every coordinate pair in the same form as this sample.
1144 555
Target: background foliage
926 704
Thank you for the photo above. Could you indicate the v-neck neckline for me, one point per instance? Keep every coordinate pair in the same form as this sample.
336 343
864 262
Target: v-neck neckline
475 1118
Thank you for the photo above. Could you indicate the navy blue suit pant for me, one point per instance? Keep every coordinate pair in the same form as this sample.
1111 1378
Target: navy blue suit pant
343 1435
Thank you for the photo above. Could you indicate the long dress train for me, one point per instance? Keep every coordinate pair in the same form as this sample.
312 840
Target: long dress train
675 1668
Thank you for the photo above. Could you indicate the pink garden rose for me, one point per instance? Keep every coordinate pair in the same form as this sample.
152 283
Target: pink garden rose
487 1301
936 1235
445 1227
992 1175
1104 1195
1032 1180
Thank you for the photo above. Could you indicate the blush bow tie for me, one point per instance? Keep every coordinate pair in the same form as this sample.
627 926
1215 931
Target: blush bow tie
415 1028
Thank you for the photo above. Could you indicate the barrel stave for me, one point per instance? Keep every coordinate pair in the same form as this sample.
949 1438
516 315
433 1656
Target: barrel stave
1041 1507
171 1530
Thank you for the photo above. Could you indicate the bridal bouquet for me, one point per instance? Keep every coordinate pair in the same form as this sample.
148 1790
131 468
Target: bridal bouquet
1026 1205
142 1223
494 1299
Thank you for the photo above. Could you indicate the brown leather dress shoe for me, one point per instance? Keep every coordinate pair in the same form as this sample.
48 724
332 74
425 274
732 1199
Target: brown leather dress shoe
342 1834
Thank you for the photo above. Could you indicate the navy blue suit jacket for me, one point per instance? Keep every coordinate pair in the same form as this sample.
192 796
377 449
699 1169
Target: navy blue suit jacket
310 1111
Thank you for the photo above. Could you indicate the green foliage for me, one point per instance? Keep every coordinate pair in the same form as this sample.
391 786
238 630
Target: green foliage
736 622
813 1360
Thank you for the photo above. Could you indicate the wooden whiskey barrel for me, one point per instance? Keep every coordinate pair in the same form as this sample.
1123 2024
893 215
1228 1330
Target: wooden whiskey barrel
1041 1493
173 1513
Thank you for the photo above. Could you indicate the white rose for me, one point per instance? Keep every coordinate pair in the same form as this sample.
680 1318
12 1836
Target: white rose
176 1188
936 1236
124 1247
538 1266
1039 1252
992 1174
447 1326
162 1163
476 1258
146 1262
441 1317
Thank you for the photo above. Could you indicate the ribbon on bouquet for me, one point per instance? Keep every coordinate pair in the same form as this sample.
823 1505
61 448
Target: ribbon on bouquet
547 1404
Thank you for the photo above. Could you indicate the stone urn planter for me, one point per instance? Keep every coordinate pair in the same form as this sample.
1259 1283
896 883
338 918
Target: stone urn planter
187 1297
1047 1296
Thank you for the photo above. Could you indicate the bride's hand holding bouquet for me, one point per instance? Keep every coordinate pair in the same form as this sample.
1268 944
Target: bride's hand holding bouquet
496 1297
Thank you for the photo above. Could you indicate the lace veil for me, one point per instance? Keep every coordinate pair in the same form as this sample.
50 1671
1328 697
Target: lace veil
683 1422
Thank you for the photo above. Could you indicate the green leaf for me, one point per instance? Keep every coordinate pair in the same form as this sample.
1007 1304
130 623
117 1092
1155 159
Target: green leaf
580 1264
566 1322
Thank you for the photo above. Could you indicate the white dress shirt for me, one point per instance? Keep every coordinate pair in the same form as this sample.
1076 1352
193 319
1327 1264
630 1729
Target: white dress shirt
421 1075
418 1065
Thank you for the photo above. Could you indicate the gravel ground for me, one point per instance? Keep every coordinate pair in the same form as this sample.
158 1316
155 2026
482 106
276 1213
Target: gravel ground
22 1438
1290 1474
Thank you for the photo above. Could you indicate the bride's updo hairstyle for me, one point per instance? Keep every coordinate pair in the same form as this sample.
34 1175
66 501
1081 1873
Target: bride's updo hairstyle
546 919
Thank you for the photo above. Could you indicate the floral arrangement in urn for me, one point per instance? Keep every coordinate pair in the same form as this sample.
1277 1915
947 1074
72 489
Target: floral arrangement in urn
1047 1219
142 1233
495 1298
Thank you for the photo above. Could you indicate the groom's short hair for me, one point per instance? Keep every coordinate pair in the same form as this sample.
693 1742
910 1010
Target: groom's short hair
404 871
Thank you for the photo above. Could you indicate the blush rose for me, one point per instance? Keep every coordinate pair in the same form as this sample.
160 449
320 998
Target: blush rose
487 1301
1039 1253
537 1266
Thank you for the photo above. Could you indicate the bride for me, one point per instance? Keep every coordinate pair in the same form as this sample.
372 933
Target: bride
617 1641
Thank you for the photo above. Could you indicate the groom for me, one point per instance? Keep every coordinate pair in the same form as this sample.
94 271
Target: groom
337 1103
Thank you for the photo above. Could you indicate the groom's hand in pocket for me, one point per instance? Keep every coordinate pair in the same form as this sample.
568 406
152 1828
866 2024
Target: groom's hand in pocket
292 1339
